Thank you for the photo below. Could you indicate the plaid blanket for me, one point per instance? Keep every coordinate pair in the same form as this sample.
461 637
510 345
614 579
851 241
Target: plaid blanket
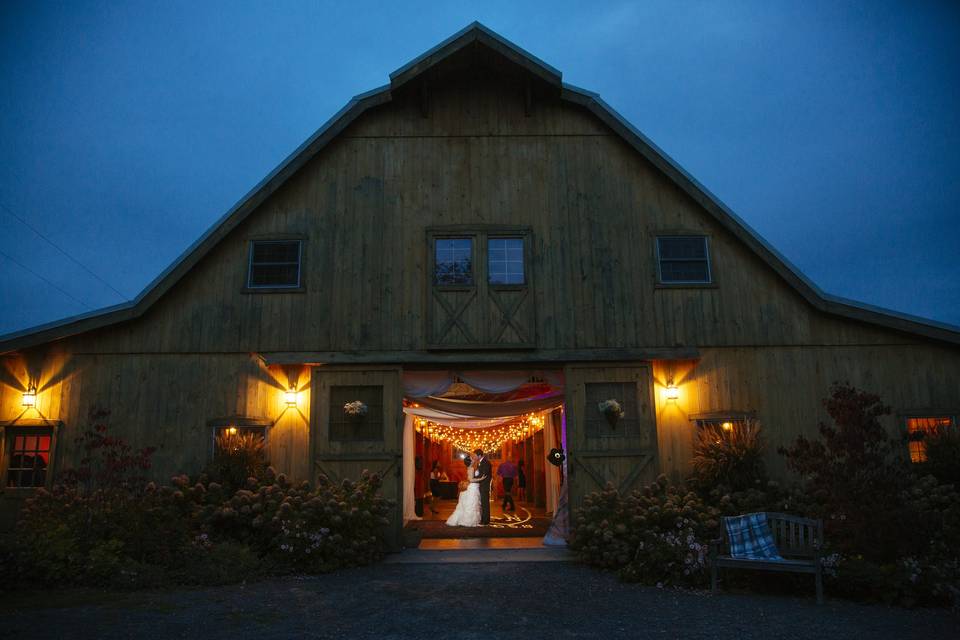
751 538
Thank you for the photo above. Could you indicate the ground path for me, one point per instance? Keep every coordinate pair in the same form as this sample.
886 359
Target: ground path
457 601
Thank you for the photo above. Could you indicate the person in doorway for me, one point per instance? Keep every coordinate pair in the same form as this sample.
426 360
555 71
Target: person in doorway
507 472
435 474
484 472
521 481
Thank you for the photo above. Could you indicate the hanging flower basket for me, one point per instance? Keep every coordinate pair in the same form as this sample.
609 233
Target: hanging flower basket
611 410
355 410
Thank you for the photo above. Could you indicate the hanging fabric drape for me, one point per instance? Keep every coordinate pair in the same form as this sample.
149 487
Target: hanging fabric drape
492 409
551 440
409 471
420 384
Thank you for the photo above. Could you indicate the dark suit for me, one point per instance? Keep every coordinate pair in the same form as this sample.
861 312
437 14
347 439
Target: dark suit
484 468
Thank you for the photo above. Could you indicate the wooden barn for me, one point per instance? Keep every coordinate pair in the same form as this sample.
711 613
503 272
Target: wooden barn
473 253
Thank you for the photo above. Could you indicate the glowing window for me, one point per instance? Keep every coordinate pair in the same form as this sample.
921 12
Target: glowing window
29 457
918 429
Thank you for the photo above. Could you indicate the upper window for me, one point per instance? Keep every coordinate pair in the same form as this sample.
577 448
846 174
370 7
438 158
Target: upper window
453 261
505 261
918 429
274 264
28 458
683 260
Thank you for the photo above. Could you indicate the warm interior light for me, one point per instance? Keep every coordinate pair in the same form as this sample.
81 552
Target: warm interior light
232 431
30 397
727 426
672 392
290 397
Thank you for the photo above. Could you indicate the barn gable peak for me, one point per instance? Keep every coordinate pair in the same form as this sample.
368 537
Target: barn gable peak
473 35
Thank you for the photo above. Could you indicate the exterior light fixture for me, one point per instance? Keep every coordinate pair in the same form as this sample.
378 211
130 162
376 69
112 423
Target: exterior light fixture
290 396
30 397
673 393
232 431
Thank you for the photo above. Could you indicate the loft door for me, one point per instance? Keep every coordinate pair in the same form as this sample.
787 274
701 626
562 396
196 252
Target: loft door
601 450
480 294
345 444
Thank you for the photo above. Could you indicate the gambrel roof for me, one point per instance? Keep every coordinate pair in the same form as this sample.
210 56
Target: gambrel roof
477 33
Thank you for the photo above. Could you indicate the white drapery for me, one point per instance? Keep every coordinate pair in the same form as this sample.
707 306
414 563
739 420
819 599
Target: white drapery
409 470
420 384
551 431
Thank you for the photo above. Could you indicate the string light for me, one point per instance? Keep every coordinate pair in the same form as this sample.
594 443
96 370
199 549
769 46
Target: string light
488 439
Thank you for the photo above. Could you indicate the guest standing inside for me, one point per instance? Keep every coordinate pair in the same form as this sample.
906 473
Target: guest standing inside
507 472
521 481
435 474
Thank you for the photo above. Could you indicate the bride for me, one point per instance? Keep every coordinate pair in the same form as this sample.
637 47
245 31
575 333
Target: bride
467 513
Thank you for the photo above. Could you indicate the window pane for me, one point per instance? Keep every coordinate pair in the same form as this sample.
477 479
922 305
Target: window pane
453 261
505 260
356 428
274 264
276 251
28 459
683 248
918 428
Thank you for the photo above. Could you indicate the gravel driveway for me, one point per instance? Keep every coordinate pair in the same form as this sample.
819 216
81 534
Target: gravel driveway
457 601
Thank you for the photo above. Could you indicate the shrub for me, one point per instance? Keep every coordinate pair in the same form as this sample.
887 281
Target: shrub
237 456
99 528
730 458
658 535
942 447
891 532
855 478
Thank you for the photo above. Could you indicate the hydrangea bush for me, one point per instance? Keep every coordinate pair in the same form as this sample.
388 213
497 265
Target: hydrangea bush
104 525
658 535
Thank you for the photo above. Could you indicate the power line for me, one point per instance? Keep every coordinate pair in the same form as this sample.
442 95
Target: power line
58 248
28 269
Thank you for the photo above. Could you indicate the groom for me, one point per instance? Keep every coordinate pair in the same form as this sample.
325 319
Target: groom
484 471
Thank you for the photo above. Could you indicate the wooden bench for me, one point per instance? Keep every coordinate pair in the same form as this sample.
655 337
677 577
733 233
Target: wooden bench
799 541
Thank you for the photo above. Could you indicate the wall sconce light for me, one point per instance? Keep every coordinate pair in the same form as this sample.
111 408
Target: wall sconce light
673 393
30 397
290 396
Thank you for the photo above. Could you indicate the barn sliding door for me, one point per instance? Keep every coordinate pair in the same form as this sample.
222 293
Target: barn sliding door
343 445
623 453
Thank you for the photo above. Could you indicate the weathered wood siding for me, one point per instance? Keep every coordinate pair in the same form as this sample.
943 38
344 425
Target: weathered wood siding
363 206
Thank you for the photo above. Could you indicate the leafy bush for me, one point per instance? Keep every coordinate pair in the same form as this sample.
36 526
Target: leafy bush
891 532
657 536
99 527
237 456
731 458
942 447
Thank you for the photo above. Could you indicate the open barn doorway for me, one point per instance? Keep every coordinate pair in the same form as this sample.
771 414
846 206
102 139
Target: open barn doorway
516 417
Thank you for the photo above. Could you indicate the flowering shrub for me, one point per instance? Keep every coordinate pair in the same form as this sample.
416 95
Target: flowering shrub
657 536
108 530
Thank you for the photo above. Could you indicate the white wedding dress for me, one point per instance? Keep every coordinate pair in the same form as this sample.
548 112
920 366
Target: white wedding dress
467 513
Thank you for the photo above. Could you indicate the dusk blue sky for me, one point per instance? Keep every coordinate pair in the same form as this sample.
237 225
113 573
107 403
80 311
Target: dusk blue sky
128 128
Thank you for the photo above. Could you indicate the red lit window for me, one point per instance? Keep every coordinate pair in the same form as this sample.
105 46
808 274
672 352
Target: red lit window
917 428
28 459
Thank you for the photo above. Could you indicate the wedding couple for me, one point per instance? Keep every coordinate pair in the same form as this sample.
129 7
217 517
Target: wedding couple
473 508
